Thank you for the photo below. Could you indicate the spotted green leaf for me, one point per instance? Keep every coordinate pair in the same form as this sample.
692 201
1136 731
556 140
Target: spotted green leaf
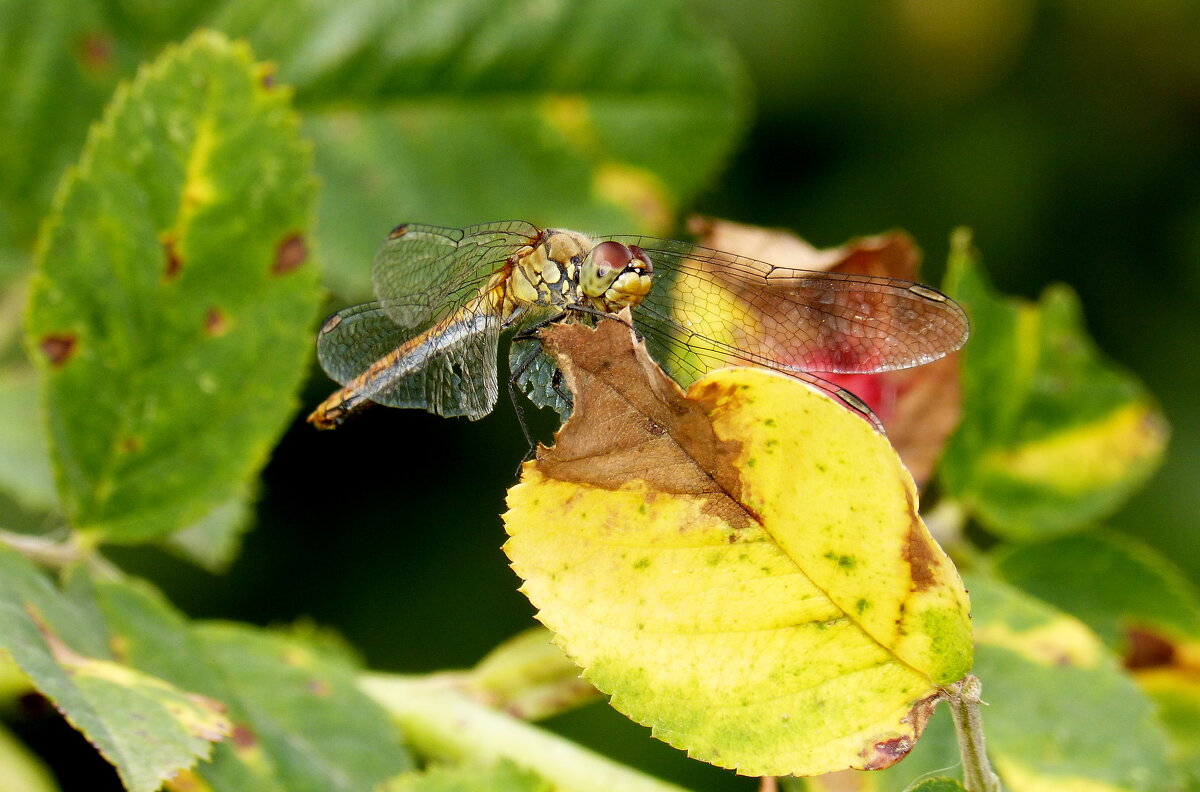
171 311
61 645
300 722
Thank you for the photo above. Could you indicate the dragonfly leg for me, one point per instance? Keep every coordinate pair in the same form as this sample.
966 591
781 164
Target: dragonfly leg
523 337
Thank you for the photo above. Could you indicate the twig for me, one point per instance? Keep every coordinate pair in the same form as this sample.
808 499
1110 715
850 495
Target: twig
445 723
963 698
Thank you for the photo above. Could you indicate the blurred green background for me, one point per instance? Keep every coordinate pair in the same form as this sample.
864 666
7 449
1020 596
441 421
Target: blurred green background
1065 133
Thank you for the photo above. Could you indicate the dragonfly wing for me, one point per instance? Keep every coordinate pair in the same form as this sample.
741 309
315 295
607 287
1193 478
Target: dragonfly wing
714 308
449 374
423 273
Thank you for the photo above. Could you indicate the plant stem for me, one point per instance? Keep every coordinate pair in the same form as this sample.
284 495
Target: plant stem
440 721
963 698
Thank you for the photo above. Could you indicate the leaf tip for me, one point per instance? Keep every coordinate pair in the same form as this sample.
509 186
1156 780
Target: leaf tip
174 263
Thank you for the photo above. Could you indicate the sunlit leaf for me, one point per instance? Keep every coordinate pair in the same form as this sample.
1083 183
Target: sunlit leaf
1061 715
919 406
1053 434
171 311
1111 582
62 647
744 569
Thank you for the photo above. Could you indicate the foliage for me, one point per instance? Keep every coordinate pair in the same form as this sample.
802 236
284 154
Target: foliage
170 284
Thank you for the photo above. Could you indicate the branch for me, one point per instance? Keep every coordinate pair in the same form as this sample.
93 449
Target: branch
441 721
963 698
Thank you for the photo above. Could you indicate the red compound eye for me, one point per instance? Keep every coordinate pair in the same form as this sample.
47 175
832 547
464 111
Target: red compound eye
608 256
641 256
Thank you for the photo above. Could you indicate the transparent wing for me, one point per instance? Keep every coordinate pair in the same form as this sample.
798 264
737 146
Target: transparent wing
450 373
424 273
710 308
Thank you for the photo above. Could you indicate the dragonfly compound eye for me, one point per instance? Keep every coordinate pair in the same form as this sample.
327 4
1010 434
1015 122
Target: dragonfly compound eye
640 256
606 262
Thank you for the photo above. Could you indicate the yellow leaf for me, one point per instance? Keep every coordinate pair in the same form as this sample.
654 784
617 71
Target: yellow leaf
743 569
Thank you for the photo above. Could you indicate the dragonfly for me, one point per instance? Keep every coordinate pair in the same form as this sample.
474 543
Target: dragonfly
446 295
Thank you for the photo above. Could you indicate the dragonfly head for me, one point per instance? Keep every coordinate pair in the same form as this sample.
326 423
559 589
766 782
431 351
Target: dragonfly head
617 275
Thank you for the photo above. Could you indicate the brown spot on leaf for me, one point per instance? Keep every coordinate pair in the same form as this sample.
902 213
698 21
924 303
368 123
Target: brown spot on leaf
174 263
94 50
887 752
319 688
919 553
216 323
243 737
266 75
1148 650
398 231
292 252
130 444
58 347
631 422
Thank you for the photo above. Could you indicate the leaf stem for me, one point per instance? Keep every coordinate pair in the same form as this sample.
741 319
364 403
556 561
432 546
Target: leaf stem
444 722
76 548
43 550
963 699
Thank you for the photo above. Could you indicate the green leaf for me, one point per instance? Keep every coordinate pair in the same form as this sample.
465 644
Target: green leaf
171 312
604 116
304 711
729 564
1053 435
300 721
1176 691
1060 714
214 540
58 65
941 784
25 472
62 648
1111 582
504 776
